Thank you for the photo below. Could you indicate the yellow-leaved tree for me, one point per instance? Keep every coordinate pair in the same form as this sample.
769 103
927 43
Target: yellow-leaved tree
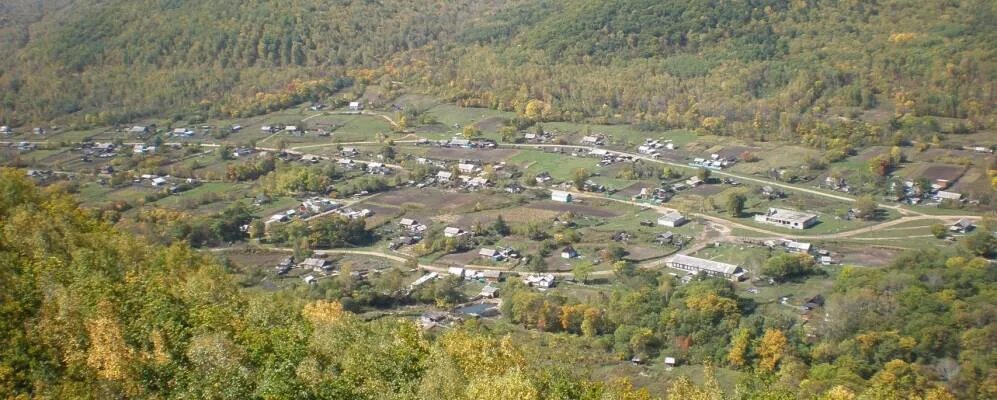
772 348
739 348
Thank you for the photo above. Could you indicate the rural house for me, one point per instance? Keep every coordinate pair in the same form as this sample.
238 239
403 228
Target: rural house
467 168
491 276
539 281
444 176
569 252
943 195
962 226
489 292
592 141
490 254
452 232
316 264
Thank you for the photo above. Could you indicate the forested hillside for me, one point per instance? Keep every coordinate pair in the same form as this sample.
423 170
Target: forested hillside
130 58
91 313
757 68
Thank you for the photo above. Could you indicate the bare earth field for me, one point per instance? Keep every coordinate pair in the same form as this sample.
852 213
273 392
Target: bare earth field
578 209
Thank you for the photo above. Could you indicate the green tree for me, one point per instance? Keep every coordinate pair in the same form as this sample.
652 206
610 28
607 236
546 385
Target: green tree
734 202
257 229
939 230
471 132
582 271
980 243
509 134
704 174
580 176
388 153
500 227
866 207
786 266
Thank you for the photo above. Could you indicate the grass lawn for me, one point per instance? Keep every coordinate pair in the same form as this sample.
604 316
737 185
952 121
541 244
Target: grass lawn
561 167
448 115
924 241
777 157
224 190
92 193
751 257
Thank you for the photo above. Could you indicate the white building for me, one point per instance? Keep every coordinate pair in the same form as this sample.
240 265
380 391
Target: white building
592 140
452 232
569 252
710 267
561 196
672 219
787 218
467 168
490 254
456 271
943 195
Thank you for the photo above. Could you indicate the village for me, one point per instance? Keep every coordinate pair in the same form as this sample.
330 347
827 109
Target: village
469 203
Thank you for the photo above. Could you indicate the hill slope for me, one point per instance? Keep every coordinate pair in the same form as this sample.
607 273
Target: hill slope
669 62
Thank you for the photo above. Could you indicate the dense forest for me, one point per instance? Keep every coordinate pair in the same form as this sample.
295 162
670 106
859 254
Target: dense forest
759 68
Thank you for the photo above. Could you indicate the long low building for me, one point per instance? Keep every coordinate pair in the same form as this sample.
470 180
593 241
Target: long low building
787 218
710 267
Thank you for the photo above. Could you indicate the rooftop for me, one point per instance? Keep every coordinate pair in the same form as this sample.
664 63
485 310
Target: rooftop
704 264
789 215
671 216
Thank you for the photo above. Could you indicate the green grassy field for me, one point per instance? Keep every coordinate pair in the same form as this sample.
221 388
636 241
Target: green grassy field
222 190
561 167
448 114
751 257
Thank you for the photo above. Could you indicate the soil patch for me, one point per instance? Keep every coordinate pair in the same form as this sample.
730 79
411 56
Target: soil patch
640 253
577 209
706 190
865 255
491 124
419 198
943 172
